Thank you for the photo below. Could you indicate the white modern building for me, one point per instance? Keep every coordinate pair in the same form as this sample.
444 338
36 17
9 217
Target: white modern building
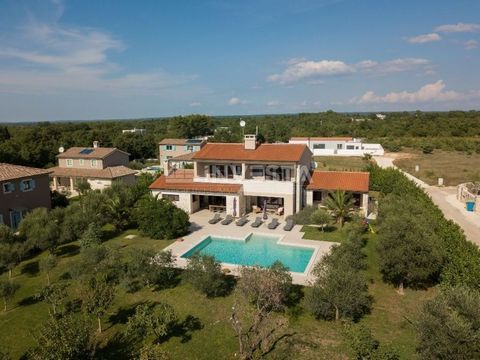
251 177
338 146
134 131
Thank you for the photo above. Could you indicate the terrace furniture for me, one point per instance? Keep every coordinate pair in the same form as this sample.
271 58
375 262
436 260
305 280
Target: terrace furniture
280 210
228 219
289 225
242 221
217 207
216 218
273 224
258 221
256 209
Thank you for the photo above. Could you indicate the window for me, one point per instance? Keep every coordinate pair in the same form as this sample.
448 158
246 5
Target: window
319 146
169 147
339 146
81 162
1 219
171 197
238 170
8 187
257 171
93 162
189 148
350 147
27 185
69 162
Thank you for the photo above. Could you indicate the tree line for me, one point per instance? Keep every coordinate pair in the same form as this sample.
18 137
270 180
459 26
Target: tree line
36 144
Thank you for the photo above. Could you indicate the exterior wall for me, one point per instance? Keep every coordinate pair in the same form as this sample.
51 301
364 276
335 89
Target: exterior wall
27 200
77 163
363 200
184 202
116 158
332 147
164 154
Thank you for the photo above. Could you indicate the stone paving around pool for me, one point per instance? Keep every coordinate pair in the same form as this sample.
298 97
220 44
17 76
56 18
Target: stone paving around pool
200 229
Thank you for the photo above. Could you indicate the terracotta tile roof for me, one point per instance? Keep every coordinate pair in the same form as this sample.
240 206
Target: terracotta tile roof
264 152
11 172
182 180
339 180
112 172
94 153
184 157
333 138
181 141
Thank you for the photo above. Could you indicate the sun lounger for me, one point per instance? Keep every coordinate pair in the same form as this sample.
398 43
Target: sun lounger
273 224
289 225
216 218
228 219
242 221
258 221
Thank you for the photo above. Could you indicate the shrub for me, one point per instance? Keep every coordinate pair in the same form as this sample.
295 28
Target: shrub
205 275
92 236
304 216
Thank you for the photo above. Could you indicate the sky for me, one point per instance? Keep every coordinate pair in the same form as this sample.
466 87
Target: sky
83 60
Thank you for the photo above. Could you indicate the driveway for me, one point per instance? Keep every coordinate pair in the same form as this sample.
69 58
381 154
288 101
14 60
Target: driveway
445 198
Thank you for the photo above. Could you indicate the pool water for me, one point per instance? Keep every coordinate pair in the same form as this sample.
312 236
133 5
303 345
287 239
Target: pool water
256 249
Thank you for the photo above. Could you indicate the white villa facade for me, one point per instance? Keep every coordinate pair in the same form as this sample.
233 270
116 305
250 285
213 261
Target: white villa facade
338 146
251 177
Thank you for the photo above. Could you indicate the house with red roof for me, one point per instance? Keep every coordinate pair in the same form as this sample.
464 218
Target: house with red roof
22 189
240 178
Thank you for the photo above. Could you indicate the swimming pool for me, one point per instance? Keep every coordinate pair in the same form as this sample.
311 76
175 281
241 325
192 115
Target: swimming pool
255 249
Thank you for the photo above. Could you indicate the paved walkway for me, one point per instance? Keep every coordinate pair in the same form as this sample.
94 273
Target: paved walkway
445 198
200 229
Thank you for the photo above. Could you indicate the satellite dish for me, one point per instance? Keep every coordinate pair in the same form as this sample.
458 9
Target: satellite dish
61 149
242 123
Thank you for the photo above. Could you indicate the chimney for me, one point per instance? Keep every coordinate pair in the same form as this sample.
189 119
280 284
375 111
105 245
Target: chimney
95 144
250 142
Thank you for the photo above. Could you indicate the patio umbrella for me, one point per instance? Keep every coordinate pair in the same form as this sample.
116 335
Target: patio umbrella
265 217
234 207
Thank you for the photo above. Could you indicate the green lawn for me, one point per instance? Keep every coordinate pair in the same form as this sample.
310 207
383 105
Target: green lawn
345 163
454 167
214 338
330 233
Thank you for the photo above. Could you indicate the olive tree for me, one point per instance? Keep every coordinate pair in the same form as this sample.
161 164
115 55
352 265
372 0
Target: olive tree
205 275
47 264
7 291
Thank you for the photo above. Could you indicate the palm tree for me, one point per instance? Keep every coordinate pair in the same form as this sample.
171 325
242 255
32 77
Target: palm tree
340 204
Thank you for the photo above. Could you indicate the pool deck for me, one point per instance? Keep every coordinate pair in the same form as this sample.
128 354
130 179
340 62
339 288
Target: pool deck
200 229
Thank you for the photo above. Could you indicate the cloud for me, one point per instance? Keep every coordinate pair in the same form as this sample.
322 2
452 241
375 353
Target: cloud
434 92
425 38
470 44
302 69
458 28
273 103
195 104
236 101
52 58
312 72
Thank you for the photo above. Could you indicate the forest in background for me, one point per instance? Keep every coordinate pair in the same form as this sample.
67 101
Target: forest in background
37 144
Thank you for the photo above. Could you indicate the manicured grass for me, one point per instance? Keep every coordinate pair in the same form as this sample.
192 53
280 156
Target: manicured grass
212 337
330 233
454 167
345 163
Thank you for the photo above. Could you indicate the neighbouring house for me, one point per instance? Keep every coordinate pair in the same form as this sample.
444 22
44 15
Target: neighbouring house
22 189
99 166
134 131
250 177
180 150
338 146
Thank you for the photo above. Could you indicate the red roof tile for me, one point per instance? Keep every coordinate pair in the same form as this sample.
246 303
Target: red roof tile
182 180
339 180
264 152
11 172
112 172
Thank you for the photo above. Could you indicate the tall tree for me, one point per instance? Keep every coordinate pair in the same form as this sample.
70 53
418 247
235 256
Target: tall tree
47 264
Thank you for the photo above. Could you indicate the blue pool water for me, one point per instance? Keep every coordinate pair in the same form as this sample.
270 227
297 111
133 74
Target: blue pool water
256 249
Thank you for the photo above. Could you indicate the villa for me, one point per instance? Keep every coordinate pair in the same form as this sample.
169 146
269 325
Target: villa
338 146
99 166
22 189
238 178
178 152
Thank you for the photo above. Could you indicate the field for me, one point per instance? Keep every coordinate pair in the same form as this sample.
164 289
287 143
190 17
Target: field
345 163
205 331
454 167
